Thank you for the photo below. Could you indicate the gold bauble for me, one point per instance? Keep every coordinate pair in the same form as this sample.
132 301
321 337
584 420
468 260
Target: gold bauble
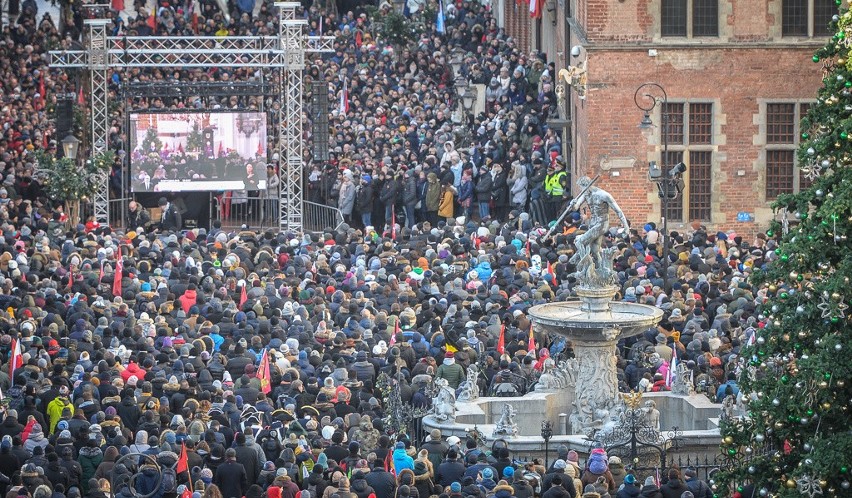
823 483
826 406
779 425
841 383
790 483
729 440
823 384
773 288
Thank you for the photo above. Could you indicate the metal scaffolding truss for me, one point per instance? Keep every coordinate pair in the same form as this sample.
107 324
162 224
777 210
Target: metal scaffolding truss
284 53
201 89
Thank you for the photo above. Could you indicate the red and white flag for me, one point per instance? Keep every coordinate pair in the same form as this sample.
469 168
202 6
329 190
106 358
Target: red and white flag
671 374
119 271
344 98
396 330
535 9
17 360
264 375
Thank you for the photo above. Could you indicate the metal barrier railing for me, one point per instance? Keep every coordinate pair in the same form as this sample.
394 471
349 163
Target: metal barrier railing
318 217
117 211
234 210
258 213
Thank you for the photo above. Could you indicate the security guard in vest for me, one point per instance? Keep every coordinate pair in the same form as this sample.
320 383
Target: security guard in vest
556 186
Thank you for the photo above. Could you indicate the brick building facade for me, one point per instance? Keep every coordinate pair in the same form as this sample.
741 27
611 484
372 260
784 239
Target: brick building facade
738 75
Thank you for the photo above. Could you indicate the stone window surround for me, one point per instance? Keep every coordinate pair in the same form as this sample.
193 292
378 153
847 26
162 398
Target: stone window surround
760 140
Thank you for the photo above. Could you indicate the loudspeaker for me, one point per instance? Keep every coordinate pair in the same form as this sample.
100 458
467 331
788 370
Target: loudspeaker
64 117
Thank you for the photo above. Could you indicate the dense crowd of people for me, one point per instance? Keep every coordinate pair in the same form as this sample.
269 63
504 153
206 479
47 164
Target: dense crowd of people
150 339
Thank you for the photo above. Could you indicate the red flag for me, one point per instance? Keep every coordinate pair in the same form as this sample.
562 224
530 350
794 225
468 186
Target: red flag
70 278
45 141
359 38
221 150
180 148
389 463
41 91
551 272
80 99
119 270
16 361
195 23
187 493
182 463
243 297
259 149
529 250
501 341
264 375
531 343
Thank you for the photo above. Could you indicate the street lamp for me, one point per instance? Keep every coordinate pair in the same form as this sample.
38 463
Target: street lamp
669 181
70 146
468 98
546 434
456 60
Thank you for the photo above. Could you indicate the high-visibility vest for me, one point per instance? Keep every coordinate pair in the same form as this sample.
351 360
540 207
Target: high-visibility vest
553 184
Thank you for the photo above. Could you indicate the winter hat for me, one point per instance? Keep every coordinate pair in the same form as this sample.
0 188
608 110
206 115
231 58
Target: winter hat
573 457
455 487
649 481
559 464
597 463
629 479
487 473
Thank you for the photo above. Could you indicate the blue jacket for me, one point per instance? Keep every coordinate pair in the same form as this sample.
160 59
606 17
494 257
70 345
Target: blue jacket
401 460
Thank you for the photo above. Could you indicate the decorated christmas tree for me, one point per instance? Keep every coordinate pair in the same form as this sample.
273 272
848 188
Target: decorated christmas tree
195 139
796 379
151 142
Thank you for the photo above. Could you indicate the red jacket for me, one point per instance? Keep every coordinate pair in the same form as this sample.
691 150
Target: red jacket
188 300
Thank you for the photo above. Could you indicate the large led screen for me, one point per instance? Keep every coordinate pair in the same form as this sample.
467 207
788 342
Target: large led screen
197 151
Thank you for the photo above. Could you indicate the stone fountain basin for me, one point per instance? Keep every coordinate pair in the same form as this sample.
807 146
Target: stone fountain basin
575 320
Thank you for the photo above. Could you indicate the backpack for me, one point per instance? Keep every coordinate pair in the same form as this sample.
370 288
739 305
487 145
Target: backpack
169 482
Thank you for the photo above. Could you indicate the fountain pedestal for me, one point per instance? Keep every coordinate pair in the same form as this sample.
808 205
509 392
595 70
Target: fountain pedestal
594 324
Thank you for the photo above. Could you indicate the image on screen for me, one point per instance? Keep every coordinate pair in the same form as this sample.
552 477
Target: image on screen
198 151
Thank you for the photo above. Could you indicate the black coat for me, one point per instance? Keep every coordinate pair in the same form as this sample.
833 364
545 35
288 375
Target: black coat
500 189
364 199
382 482
449 471
171 219
673 489
560 491
231 478
482 190
248 458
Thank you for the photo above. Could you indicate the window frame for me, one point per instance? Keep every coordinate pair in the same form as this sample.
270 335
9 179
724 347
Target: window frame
813 28
684 149
789 147
688 20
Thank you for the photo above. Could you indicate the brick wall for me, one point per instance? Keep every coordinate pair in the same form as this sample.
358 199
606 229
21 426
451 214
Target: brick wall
517 23
610 141
748 63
